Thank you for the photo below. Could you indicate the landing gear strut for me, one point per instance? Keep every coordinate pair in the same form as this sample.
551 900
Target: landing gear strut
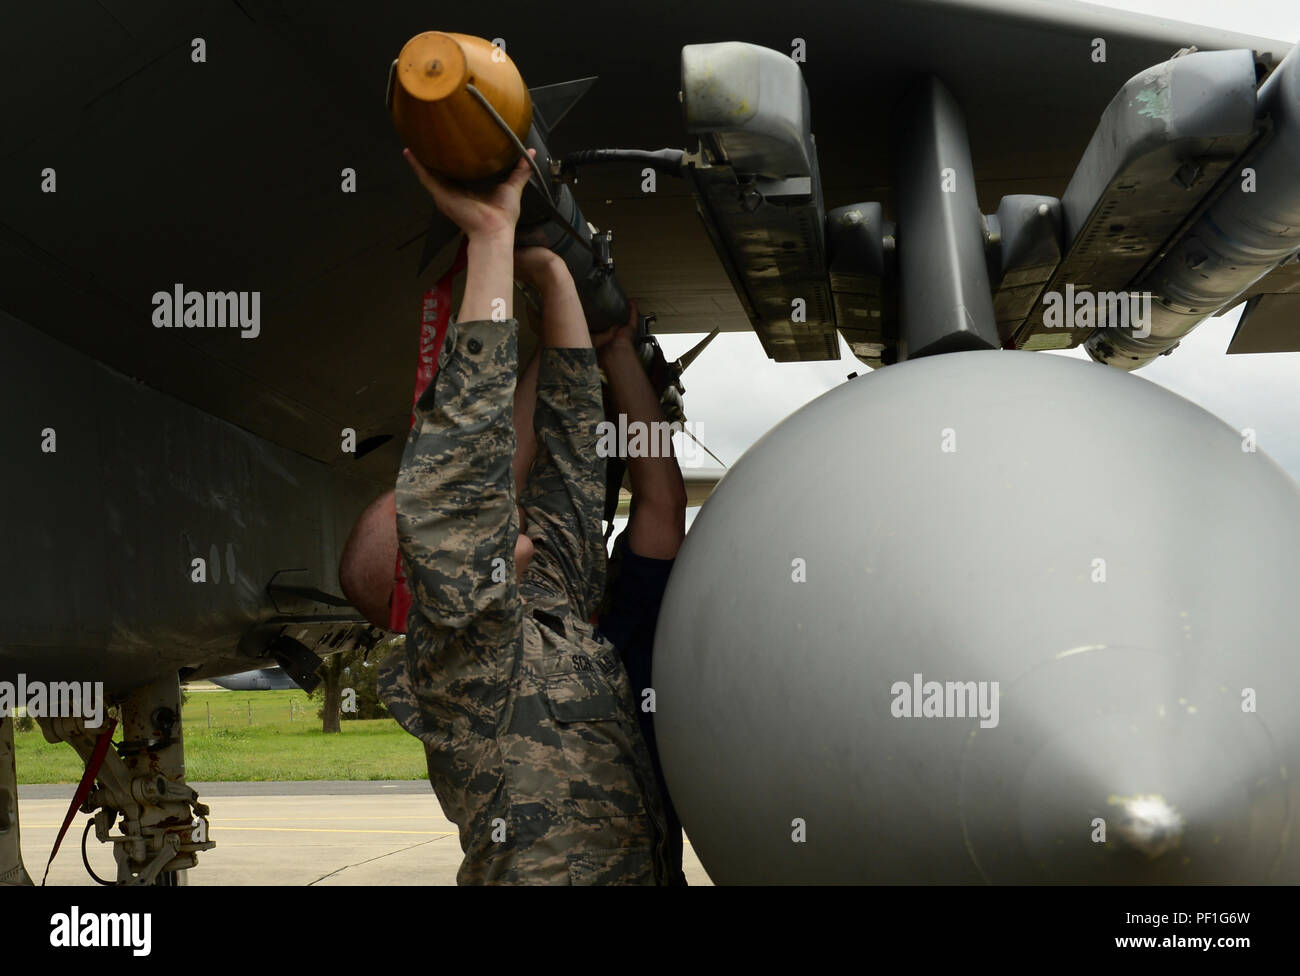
163 825
12 871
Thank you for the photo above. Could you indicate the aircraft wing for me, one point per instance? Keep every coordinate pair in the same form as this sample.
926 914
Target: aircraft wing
1268 323
227 173
191 518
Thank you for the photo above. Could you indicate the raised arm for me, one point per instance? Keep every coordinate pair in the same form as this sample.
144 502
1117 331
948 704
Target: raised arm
488 220
565 488
525 436
657 523
564 326
456 521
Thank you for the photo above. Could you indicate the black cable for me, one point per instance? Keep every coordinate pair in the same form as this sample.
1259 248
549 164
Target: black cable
663 160
543 185
86 861
523 150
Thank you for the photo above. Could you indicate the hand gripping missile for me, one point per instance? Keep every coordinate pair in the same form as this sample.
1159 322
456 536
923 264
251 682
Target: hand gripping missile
461 106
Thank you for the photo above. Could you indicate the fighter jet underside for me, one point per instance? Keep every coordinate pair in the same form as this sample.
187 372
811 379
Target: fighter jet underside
914 177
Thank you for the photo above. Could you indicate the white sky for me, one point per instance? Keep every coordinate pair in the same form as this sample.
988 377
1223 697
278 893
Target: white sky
735 394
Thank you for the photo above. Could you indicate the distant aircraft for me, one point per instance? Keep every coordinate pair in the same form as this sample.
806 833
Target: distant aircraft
181 479
263 679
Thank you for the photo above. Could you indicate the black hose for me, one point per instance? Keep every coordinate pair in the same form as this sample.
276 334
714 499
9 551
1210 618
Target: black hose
663 160
86 861
543 185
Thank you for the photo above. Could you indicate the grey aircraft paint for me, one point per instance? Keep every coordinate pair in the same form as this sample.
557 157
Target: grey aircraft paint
100 533
262 679
1123 701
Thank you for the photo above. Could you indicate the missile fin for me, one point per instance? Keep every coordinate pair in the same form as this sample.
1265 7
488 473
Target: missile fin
441 232
552 102
690 355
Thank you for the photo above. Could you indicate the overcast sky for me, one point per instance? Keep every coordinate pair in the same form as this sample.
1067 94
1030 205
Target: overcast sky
735 394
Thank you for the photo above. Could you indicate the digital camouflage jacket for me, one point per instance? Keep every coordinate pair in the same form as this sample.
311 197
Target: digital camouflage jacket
527 718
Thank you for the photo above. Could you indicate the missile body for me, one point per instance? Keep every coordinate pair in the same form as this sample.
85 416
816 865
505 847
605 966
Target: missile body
439 118
437 88
587 255
1249 230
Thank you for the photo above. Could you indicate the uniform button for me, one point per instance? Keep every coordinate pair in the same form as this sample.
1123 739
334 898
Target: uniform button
474 346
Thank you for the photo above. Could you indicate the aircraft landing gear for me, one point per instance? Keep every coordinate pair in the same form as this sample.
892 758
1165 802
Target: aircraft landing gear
12 871
163 825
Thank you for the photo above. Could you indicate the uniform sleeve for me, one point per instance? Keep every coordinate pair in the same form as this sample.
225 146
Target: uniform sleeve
456 518
566 486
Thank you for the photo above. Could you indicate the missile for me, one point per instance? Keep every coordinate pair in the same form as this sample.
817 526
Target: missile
462 107
1250 229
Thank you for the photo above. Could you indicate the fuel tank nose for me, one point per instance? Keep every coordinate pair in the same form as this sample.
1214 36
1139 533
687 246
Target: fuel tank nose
1123 765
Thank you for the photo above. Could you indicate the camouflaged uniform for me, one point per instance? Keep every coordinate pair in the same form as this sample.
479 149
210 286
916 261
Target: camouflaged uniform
527 719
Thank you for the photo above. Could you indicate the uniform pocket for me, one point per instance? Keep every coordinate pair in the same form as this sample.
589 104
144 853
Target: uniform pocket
596 735
581 696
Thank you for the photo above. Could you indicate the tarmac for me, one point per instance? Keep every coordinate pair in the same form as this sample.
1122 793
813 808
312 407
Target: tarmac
295 833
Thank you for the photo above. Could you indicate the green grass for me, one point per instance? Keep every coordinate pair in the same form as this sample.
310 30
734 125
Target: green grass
274 747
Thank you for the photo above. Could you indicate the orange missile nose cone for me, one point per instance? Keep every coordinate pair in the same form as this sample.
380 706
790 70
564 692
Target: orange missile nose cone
446 128
432 66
